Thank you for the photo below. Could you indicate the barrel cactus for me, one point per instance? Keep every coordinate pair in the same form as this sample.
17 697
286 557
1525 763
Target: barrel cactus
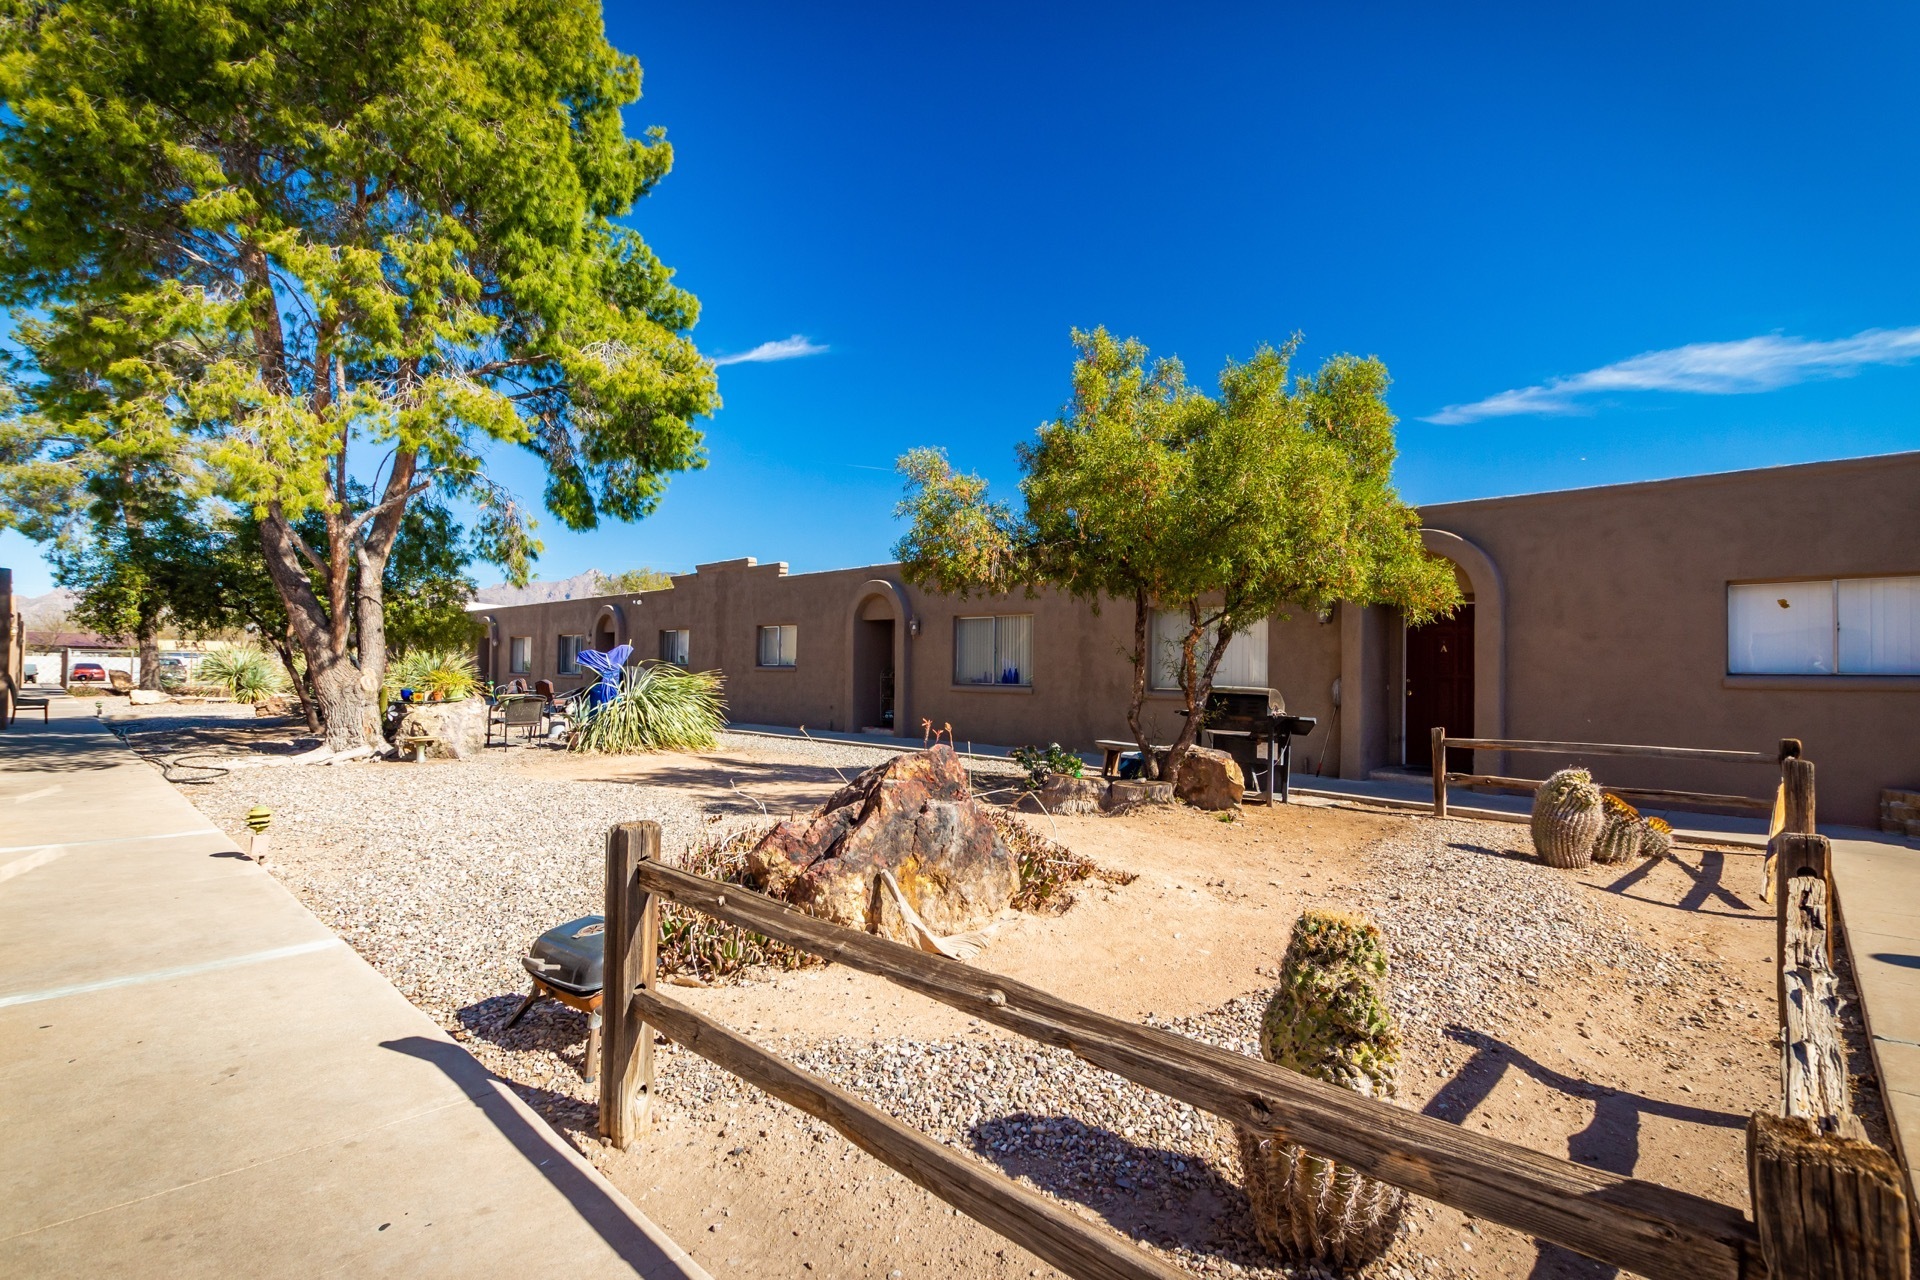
1328 1019
1656 838
1567 818
1621 832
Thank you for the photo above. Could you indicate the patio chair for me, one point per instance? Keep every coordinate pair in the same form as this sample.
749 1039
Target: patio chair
522 713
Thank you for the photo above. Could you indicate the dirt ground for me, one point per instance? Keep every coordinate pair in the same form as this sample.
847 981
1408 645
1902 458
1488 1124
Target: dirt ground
1644 1055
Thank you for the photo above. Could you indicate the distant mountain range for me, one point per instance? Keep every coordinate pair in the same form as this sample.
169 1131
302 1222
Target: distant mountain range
574 588
41 612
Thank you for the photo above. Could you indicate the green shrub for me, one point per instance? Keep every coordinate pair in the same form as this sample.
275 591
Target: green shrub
659 708
246 673
1041 764
452 673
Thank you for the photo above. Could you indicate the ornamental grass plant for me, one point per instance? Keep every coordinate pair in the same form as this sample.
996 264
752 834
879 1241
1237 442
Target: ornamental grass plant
659 707
453 674
244 672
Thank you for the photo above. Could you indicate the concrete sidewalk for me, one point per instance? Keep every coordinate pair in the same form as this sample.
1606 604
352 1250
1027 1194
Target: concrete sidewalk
197 1078
1878 884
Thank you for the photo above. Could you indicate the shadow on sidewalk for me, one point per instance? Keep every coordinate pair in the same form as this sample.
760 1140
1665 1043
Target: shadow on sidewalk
608 1216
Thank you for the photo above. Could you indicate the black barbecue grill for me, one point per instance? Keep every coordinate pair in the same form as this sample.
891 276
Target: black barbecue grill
1238 720
567 964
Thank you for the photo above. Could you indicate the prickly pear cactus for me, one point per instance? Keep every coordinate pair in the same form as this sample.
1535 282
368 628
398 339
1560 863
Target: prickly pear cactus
1328 1019
1621 833
1567 818
1656 838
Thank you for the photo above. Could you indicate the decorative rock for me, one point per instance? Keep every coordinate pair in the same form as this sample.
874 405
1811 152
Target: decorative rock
1063 795
147 697
461 727
1125 794
1209 779
913 816
273 704
120 680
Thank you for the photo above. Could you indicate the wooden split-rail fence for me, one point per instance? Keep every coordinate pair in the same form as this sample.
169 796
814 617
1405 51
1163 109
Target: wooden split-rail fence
1828 1204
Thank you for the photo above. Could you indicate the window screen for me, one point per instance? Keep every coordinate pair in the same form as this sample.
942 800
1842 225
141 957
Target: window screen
1244 666
993 650
777 645
674 646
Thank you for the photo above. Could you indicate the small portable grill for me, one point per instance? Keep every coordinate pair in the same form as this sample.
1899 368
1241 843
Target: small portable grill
567 963
1237 720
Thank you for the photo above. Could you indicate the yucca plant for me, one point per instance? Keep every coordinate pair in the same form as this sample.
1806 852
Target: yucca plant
243 671
659 707
452 673
1328 1019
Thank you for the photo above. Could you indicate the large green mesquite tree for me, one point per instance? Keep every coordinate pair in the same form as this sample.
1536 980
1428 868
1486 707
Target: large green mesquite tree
278 247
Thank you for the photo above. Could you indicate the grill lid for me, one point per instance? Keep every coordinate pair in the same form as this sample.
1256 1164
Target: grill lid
571 955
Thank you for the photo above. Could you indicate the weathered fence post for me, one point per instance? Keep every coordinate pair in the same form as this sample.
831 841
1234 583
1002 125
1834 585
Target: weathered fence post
1826 1207
632 944
1796 775
1439 771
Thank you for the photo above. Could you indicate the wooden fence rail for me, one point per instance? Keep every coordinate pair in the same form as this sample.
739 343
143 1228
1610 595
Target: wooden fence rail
1653 1230
1442 779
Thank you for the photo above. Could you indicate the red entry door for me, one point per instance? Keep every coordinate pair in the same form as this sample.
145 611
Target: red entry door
1439 683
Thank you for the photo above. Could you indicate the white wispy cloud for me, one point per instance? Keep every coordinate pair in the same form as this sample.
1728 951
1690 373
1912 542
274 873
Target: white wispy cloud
780 349
1703 368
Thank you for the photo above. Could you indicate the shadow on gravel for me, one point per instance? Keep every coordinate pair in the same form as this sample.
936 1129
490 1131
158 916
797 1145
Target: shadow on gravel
1506 855
1611 1140
1707 883
548 1027
1174 1199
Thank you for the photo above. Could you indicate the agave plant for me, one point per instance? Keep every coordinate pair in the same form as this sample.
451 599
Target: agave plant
655 706
247 673
453 674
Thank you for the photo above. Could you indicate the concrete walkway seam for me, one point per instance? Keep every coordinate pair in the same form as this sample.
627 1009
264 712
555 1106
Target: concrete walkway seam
179 971
81 844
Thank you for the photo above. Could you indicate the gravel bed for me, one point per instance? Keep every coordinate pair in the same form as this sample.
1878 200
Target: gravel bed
440 877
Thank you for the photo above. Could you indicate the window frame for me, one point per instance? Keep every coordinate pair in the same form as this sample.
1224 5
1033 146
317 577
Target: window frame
787 645
564 664
1260 625
519 655
684 647
999 660
1837 671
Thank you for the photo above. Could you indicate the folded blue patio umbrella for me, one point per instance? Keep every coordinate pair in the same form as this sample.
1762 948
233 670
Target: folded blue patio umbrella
607 666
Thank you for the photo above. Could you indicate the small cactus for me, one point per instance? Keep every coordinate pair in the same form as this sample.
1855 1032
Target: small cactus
1621 835
1567 818
1656 838
1329 1019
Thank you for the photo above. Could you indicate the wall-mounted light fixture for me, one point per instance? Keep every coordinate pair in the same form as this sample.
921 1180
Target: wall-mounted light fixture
913 626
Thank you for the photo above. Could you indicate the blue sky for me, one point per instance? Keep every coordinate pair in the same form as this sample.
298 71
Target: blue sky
1634 243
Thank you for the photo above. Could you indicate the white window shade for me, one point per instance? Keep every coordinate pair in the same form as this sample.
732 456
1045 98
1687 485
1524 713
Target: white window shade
1879 626
1243 666
777 645
993 650
520 654
1780 628
570 654
675 646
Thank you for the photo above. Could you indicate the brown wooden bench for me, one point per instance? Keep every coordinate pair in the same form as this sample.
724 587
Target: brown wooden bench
1114 749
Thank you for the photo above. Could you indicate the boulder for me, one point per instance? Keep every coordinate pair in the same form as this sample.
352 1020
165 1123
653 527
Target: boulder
120 680
1064 795
913 816
1209 779
1124 794
272 705
147 697
461 728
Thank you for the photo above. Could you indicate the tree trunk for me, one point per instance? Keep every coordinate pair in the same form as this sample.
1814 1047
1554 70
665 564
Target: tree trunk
149 642
283 645
1136 702
372 554
1197 685
336 681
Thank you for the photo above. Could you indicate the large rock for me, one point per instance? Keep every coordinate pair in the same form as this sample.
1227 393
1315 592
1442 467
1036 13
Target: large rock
460 726
1209 779
913 816
1064 795
147 697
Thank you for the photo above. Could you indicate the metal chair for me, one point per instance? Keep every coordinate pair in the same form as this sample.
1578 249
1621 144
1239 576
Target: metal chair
523 713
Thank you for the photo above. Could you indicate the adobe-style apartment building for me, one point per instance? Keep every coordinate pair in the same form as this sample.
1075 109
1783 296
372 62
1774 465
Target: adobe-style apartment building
1717 611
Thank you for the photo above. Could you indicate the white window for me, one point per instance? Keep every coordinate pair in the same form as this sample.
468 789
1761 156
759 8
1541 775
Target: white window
995 650
570 647
675 645
520 655
1849 627
776 645
1244 665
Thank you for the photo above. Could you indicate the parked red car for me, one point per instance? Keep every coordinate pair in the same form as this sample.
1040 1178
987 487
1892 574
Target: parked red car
87 673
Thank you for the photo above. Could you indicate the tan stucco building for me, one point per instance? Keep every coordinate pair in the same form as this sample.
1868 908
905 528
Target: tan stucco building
1720 611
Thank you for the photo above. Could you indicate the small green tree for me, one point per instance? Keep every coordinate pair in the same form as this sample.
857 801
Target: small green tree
1225 510
264 239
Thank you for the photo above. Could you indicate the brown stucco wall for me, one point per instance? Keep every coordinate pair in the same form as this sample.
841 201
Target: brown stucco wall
1600 617
1616 621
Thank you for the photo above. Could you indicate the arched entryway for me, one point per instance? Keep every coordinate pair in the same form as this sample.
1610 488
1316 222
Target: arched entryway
1454 673
877 685
609 628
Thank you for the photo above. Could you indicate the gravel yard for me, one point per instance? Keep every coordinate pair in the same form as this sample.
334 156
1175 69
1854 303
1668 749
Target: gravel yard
1620 1016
